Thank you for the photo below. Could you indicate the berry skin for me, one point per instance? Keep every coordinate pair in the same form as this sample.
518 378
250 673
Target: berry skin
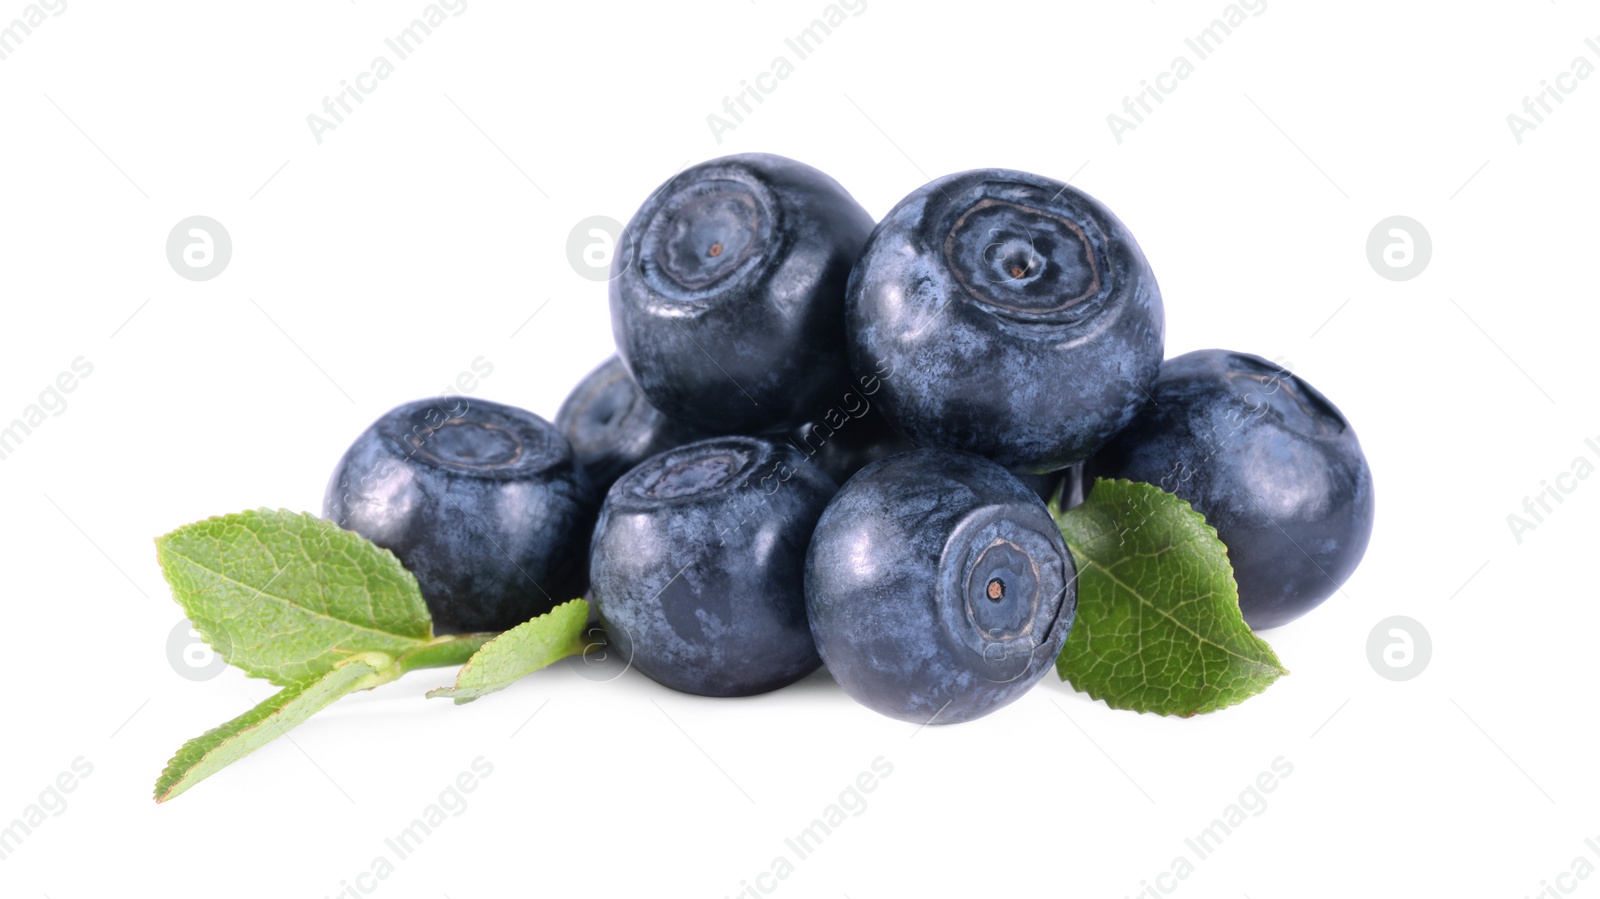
1272 465
938 587
1019 316
698 563
842 447
483 502
728 303
612 427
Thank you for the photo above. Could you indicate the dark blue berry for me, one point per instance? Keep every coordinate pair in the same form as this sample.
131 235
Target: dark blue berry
698 565
612 427
938 586
483 502
1272 465
728 304
1019 316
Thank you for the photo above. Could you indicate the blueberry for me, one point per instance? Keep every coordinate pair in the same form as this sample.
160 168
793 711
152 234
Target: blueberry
483 502
1272 465
1019 316
938 587
843 446
730 310
612 426
698 563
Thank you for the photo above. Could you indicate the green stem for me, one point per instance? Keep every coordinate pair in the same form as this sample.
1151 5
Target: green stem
220 747
442 652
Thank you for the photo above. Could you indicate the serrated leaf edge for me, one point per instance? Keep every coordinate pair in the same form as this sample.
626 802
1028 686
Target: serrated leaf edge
1276 669
163 553
451 692
175 780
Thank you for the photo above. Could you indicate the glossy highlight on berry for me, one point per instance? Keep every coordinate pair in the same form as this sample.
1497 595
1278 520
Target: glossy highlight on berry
698 562
612 427
483 502
938 586
1020 315
1269 461
731 319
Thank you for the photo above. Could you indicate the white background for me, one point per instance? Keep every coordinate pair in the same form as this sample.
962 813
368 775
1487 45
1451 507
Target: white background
373 267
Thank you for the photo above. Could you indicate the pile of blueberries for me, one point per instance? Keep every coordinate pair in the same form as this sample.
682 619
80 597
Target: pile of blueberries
829 441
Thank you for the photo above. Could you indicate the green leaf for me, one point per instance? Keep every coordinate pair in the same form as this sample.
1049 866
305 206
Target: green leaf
221 746
287 596
1158 627
520 651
